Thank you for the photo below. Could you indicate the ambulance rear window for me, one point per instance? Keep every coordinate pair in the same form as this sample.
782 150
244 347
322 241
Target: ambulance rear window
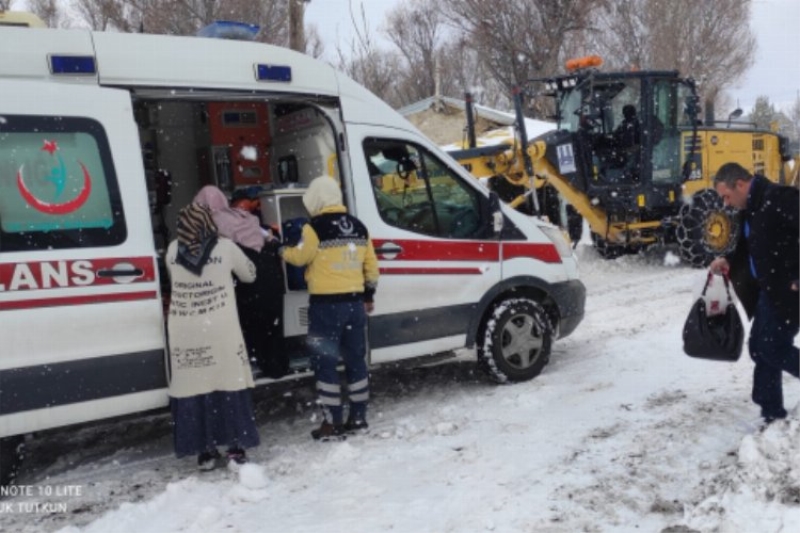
58 188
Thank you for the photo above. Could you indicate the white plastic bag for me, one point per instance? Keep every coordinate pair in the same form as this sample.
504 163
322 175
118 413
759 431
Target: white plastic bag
716 296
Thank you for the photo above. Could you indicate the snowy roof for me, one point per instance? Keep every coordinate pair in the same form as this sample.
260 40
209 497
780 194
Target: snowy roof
492 126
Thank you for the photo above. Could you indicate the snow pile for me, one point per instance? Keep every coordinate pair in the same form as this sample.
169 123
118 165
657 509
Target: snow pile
761 490
253 476
189 505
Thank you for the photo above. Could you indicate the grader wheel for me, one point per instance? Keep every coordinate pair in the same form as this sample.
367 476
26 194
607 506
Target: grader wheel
706 229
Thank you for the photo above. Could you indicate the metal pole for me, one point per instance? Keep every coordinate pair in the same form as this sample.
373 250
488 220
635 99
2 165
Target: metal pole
470 121
523 139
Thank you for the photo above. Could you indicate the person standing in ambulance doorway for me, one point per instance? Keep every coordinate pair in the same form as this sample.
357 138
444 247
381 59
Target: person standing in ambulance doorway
764 269
211 383
260 304
342 275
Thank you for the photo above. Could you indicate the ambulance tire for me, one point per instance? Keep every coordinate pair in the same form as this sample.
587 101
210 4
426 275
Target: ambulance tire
11 454
515 340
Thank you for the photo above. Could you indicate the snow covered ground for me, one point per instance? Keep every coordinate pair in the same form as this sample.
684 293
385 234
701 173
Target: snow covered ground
621 432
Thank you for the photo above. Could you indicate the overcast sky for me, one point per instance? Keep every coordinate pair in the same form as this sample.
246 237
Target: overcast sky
776 23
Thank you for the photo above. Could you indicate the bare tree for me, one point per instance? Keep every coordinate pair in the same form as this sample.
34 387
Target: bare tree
297 38
417 28
314 45
621 34
375 69
186 17
109 14
520 39
794 117
763 113
468 73
709 41
49 11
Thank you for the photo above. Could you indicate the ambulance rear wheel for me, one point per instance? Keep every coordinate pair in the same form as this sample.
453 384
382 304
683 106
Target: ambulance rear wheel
514 342
706 229
11 453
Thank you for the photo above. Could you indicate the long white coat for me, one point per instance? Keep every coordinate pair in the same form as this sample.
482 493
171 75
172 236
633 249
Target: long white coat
207 350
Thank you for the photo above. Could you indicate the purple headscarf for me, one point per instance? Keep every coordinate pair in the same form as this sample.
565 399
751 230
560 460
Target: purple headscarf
237 225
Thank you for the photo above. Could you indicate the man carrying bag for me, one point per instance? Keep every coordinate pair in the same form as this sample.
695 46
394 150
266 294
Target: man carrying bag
764 270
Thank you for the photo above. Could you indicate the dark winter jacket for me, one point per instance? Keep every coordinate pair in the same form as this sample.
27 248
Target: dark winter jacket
773 243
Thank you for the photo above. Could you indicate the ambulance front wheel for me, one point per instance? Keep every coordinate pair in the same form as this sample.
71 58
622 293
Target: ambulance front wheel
11 453
514 342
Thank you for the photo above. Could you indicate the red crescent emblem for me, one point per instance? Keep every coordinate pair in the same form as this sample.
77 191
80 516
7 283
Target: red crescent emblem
57 209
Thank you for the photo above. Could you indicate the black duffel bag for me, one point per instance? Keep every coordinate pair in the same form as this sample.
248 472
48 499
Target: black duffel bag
718 337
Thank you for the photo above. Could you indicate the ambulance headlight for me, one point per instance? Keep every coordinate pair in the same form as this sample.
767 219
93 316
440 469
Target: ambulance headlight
559 241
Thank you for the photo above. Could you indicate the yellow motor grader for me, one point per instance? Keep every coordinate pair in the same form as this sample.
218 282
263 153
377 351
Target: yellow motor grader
630 155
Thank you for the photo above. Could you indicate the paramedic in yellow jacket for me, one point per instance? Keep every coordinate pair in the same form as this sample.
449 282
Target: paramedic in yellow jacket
342 274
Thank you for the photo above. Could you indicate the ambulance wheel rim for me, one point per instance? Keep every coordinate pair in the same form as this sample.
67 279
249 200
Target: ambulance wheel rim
515 340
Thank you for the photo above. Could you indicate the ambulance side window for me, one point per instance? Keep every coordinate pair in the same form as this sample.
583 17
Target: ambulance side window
415 191
58 188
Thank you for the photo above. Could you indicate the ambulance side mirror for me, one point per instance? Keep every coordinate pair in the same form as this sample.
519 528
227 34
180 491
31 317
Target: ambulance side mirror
496 213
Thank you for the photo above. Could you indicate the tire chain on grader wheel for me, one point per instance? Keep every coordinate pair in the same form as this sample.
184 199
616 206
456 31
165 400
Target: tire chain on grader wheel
705 229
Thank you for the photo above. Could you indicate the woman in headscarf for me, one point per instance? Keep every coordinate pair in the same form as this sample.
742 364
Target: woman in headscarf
238 225
260 304
211 382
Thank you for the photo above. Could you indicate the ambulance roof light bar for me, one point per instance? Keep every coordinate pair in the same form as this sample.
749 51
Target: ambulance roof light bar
229 29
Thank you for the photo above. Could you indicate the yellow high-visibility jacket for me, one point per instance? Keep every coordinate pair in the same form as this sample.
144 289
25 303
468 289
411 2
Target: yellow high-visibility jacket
337 251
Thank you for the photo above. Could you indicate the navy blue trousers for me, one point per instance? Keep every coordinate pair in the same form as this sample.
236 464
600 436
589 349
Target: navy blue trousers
772 349
218 418
337 330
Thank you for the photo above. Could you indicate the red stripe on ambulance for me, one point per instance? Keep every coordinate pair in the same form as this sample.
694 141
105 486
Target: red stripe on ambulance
432 271
78 300
544 252
40 275
466 250
441 250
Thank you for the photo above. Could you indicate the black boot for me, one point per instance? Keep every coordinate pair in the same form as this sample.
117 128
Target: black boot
209 460
327 432
356 425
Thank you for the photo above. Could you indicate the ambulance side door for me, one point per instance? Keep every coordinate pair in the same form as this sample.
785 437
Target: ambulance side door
434 241
81 319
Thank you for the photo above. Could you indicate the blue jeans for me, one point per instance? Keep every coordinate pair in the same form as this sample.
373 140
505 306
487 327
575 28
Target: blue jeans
338 330
772 348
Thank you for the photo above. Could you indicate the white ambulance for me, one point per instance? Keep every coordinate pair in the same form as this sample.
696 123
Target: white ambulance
87 121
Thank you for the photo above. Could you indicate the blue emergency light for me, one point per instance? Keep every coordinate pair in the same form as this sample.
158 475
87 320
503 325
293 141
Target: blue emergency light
73 65
230 29
273 73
